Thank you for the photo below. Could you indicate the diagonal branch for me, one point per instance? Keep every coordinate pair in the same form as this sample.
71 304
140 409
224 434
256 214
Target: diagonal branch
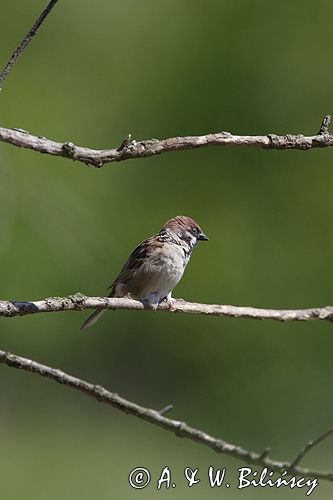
25 42
179 428
311 444
79 302
130 149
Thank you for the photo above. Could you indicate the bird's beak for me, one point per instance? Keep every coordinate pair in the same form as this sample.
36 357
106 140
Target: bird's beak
203 237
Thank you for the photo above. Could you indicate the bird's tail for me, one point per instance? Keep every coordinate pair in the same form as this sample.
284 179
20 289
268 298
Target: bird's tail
92 318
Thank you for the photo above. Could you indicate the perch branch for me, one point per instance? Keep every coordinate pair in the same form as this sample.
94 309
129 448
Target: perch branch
78 302
130 148
25 42
179 428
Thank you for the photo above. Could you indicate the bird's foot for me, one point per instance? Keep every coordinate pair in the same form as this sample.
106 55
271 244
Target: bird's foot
168 302
151 302
149 305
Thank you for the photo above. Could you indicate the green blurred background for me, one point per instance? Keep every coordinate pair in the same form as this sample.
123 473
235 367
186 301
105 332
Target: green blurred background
95 72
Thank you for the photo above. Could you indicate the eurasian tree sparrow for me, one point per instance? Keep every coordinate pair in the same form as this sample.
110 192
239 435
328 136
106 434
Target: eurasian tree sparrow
156 266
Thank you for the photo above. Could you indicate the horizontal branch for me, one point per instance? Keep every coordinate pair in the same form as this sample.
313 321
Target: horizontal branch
142 149
79 302
179 428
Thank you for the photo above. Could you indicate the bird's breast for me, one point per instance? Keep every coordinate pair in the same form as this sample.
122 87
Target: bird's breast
168 262
161 272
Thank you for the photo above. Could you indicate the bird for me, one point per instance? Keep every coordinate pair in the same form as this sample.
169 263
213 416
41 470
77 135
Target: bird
155 266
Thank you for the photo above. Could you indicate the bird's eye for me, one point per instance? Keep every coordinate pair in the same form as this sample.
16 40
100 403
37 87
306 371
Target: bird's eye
194 231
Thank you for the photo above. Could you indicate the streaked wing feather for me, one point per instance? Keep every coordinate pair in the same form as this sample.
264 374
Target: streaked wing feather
137 258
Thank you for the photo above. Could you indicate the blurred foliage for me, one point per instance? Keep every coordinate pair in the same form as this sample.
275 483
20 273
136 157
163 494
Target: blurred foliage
94 73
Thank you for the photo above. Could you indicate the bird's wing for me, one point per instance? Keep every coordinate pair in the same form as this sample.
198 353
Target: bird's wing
135 261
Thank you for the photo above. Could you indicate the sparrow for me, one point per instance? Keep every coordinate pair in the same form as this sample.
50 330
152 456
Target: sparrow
156 266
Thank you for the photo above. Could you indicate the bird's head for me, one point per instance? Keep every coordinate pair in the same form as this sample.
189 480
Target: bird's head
186 229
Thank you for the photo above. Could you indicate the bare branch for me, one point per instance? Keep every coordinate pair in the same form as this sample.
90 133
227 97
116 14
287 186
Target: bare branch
325 125
130 148
264 454
165 410
154 417
79 302
25 42
304 451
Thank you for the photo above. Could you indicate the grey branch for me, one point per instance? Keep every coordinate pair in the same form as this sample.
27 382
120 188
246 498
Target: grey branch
325 125
177 427
311 444
130 148
79 302
25 42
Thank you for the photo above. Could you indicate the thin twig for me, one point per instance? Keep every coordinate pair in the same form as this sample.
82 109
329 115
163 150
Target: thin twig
165 410
79 302
265 453
325 125
304 451
154 417
25 42
130 148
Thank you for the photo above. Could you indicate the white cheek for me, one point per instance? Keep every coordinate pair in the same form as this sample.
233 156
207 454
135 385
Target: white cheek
193 241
